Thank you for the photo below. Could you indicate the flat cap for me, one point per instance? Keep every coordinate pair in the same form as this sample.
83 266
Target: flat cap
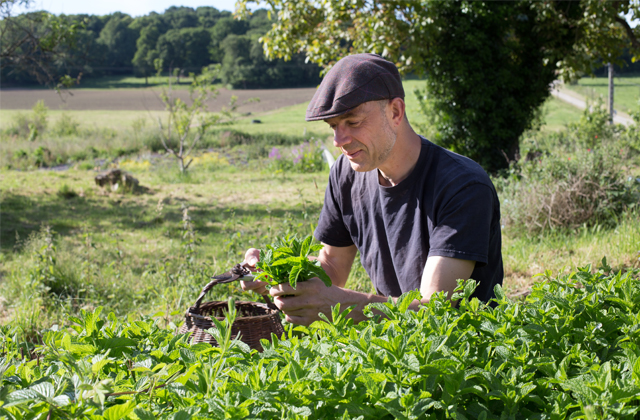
352 81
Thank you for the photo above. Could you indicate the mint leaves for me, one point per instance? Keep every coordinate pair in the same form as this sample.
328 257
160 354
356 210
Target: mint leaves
287 261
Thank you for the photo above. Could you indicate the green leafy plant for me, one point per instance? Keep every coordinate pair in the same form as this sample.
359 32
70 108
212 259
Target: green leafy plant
568 351
287 261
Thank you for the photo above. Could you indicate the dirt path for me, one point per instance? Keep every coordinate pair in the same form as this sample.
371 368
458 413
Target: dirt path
148 99
578 101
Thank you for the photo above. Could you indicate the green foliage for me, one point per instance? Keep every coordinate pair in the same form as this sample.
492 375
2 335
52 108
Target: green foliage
569 351
287 261
32 124
36 45
65 126
182 37
489 64
305 158
582 176
66 192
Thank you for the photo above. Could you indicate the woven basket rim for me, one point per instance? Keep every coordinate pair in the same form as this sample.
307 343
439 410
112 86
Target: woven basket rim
221 318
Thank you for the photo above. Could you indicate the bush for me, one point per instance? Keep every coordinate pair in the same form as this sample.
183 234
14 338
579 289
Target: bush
32 124
576 177
65 126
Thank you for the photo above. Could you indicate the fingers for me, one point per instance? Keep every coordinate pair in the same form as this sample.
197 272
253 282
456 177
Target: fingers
254 286
251 257
285 289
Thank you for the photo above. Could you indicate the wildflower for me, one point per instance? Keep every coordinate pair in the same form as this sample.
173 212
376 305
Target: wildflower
275 154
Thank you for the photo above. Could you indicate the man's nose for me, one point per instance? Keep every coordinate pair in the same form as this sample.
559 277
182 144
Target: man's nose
341 136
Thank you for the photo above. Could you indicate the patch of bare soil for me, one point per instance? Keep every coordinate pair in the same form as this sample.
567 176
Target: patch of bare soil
149 99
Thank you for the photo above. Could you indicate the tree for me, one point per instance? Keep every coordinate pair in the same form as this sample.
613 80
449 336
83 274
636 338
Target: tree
119 38
181 17
185 48
32 44
146 53
177 132
208 16
488 64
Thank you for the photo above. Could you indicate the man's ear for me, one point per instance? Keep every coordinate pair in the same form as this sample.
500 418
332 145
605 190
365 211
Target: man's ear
396 110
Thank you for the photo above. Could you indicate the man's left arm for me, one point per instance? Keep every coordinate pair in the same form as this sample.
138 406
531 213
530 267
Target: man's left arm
303 303
441 274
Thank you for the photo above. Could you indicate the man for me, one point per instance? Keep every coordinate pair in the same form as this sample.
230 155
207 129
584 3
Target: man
421 216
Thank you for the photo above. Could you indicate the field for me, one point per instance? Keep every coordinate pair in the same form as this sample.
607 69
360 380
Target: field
94 281
626 91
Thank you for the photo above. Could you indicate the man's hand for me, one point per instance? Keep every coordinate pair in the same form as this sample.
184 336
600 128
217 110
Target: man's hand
302 304
251 257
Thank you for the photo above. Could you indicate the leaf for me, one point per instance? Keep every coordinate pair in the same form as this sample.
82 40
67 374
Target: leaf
304 248
187 356
117 344
144 414
406 299
118 412
316 247
321 274
294 275
45 389
97 366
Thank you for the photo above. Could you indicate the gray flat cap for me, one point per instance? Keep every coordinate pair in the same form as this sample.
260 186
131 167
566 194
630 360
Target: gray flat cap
352 81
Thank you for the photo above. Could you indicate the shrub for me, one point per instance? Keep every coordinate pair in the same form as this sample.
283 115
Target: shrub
32 124
567 192
65 126
577 177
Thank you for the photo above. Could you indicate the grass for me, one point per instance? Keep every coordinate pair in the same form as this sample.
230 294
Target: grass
115 120
139 253
626 90
129 252
558 114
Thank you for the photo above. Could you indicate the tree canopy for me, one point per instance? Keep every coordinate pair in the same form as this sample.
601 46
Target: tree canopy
488 64
39 47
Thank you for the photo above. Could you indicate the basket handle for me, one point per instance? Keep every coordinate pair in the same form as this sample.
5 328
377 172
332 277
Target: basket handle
237 272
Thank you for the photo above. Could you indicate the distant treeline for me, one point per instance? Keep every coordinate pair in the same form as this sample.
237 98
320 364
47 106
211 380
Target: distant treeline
181 38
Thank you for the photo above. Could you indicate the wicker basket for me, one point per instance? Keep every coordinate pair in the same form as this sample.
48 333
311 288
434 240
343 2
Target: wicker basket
254 321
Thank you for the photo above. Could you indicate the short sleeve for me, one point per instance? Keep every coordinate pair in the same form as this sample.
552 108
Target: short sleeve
456 234
331 229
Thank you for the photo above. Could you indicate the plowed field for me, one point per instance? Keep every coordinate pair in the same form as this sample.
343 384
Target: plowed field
148 99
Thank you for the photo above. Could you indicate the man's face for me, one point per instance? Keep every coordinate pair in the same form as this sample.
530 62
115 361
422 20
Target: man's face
364 135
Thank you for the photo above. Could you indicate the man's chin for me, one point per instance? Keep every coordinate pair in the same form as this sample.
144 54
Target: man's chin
360 167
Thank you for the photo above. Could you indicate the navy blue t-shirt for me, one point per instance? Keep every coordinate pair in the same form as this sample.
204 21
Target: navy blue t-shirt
447 206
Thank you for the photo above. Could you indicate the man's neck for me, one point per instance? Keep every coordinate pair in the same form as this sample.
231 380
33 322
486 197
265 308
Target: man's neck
402 160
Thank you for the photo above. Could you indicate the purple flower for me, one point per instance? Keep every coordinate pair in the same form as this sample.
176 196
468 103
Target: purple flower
275 154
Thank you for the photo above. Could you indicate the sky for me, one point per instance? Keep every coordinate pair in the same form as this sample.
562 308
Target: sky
135 7
131 7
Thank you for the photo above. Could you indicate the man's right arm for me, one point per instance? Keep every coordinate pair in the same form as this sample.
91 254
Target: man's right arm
337 262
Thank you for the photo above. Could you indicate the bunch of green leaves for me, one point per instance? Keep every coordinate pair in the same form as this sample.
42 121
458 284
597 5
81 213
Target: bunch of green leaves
287 261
